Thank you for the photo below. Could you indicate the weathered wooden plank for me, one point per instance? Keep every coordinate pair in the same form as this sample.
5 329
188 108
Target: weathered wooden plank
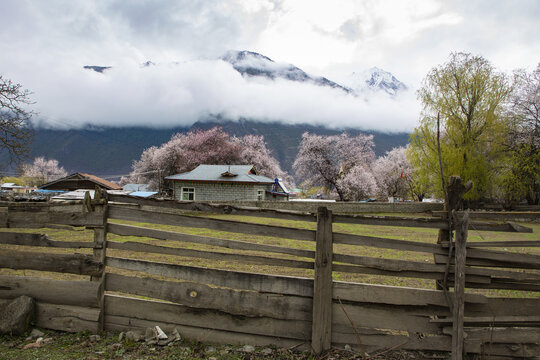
73 263
42 240
511 243
66 317
396 295
405 265
458 308
379 269
32 218
380 343
123 213
249 259
504 307
216 208
120 323
375 344
322 285
391 221
519 335
491 258
232 279
206 318
247 303
63 292
383 317
130 230
495 320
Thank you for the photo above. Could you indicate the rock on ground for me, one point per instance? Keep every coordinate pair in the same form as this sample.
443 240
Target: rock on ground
17 315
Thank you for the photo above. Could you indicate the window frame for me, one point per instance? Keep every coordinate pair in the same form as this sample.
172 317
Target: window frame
188 190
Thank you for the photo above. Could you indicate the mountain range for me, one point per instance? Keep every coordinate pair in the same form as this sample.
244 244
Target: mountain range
108 151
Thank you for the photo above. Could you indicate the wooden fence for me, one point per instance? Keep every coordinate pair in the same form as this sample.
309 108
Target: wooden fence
310 313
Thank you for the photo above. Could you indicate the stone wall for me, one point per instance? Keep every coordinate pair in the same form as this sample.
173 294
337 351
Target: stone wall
220 191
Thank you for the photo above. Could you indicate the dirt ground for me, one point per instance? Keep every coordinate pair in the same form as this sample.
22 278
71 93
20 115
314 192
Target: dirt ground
85 346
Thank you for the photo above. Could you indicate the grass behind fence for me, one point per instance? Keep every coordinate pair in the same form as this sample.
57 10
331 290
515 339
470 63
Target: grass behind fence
400 233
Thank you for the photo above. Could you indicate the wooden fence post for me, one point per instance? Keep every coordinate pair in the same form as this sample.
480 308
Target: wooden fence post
100 253
321 331
459 287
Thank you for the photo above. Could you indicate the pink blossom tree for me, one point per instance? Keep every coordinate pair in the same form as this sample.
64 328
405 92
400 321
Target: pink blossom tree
184 152
359 183
254 151
329 160
42 171
393 173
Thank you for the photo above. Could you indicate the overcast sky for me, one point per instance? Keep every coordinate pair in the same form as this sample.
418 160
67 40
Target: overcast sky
45 44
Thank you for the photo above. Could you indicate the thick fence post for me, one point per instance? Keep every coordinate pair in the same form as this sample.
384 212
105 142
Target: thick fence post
459 287
100 253
321 332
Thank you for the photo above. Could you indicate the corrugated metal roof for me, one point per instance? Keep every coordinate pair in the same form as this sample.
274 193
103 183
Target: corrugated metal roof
143 193
82 176
243 173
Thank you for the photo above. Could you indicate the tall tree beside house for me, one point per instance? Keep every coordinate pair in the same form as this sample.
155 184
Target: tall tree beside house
15 131
184 152
468 95
335 161
42 171
520 177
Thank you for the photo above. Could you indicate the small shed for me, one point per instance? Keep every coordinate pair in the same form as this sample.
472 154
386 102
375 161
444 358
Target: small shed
79 181
225 183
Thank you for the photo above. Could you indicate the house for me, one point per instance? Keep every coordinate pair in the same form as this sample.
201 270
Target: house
79 181
226 183
13 187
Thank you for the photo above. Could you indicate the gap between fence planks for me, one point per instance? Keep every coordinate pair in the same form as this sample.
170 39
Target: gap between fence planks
123 213
130 230
74 264
219 256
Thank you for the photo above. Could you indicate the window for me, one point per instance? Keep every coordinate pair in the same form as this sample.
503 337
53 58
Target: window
188 194
260 195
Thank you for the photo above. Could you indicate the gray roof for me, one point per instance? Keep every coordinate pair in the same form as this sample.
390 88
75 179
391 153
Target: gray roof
214 173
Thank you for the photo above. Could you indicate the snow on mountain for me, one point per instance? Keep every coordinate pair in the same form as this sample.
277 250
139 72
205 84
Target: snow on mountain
375 79
250 63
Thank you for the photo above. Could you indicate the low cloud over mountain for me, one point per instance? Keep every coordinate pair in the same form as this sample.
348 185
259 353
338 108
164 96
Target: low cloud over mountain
240 84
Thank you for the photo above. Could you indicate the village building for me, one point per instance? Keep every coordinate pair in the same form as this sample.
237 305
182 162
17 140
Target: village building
78 181
226 183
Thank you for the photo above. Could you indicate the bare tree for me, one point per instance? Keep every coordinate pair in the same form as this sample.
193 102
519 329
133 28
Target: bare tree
15 133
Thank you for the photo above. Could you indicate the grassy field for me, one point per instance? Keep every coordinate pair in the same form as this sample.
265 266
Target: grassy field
401 233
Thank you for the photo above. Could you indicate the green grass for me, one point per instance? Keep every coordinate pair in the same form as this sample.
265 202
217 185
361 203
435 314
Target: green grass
401 233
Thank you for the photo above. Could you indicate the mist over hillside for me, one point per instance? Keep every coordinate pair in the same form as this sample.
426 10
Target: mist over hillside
111 151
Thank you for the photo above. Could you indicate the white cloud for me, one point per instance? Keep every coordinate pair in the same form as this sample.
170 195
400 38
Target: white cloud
181 94
45 44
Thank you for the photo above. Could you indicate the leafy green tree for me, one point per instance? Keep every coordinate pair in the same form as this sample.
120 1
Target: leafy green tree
468 95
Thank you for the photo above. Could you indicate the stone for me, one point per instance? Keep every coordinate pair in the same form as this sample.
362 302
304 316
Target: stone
36 334
210 350
114 347
32 346
247 348
94 338
17 315
348 347
267 351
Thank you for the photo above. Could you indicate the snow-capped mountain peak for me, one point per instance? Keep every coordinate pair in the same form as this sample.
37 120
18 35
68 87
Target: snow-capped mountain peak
375 79
250 64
